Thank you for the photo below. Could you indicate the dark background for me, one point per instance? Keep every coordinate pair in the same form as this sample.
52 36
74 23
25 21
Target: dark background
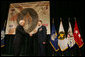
63 9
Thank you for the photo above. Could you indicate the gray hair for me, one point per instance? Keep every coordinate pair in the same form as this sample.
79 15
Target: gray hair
21 21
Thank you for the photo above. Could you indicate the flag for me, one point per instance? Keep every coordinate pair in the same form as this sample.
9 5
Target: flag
3 35
70 37
62 40
54 39
77 36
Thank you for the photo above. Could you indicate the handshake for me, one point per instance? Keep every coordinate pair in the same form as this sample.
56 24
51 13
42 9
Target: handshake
34 31
31 34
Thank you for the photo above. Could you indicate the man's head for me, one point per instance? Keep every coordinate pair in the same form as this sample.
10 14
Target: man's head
39 22
22 22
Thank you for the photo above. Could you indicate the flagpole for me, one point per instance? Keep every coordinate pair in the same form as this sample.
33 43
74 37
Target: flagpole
53 21
60 19
75 18
5 23
53 50
69 19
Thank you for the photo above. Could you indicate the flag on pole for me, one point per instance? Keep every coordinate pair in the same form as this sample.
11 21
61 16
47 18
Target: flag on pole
62 40
77 36
70 37
3 35
54 39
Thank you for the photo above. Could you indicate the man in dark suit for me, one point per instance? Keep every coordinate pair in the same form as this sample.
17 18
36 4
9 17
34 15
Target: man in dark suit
41 34
19 37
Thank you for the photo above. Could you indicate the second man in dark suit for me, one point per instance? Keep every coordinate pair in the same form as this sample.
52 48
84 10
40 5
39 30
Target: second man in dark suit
41 34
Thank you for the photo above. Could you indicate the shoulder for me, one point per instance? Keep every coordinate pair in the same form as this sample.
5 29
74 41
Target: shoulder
43 26
18 27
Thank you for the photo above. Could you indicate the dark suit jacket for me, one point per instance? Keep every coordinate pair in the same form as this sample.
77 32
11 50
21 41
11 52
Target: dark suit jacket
20 35
42 34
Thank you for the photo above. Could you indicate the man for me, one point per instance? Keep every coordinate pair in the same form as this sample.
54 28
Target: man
19 37
41 34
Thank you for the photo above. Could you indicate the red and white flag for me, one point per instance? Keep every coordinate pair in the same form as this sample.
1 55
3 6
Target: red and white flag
70 37
77 36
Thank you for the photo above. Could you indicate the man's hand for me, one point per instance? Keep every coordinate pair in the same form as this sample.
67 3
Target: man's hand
35 31
30 34
40 29
44 42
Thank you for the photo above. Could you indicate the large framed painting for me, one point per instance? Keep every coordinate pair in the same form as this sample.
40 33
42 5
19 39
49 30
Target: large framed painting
31 12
